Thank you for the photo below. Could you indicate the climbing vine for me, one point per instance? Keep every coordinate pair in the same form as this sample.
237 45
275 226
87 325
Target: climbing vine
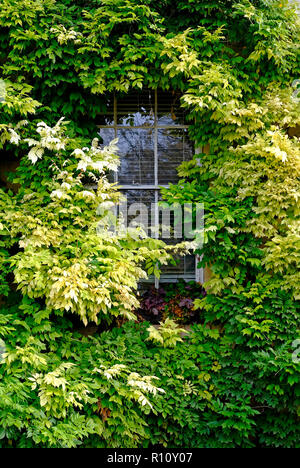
233 381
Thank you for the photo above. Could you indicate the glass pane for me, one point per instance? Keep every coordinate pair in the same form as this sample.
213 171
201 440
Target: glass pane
172 234
173 270
178 271
136 109
107 135
190 264
185 265
174 147
178 268
169 111
136 149
139 208
170 221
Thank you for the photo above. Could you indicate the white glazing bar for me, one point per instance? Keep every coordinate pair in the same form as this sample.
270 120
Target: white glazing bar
144 127
156 174
143 187
116 131
155 142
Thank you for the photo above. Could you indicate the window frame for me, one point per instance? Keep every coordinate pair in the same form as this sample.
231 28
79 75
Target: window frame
165 278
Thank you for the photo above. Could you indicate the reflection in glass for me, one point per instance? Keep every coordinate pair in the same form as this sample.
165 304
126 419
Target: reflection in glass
138 208
173 148
136 149
136 109
107 135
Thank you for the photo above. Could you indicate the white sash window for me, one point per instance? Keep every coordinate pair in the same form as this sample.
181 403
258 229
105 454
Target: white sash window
153 142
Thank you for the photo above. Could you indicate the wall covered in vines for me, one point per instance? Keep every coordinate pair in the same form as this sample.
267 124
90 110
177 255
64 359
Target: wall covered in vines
236 64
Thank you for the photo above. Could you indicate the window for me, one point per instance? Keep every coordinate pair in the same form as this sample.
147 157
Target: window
153 141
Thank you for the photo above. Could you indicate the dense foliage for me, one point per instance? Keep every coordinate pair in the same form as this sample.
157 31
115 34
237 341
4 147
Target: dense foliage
69 255
59 389
175 301
69 52
252 246
248 181
232 382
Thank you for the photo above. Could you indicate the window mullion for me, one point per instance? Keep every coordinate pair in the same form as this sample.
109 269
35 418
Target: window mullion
155 143
156 174
116 130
